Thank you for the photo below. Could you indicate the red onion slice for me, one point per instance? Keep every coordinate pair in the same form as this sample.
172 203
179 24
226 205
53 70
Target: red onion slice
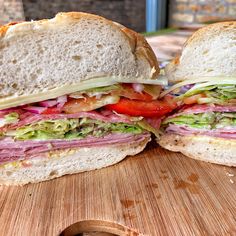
48 103
138 87
36 110
61 101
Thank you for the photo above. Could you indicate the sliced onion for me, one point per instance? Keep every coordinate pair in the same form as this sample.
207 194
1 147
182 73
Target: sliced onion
48 103
185 88
138 87
2 122
36 110
98 96
61 101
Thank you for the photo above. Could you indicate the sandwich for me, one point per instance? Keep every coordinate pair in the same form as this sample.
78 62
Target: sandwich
204 83
77 92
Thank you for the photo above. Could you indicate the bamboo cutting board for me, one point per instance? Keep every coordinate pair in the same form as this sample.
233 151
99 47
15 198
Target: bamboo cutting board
154 193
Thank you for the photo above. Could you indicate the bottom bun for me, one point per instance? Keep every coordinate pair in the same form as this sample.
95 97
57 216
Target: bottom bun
68 161
204 148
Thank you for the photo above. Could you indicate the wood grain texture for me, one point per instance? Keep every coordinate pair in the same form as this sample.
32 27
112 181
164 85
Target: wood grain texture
154 193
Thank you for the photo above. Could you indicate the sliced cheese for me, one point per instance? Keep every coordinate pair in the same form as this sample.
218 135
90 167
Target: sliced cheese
16 100
203 82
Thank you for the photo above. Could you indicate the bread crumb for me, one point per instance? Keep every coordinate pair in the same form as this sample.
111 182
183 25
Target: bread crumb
229 174
231 181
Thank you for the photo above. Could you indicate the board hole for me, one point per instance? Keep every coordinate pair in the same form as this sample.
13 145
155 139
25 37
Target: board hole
101 228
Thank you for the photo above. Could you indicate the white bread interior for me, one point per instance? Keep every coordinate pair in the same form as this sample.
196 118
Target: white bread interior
39 56
210 149
210 51
69 161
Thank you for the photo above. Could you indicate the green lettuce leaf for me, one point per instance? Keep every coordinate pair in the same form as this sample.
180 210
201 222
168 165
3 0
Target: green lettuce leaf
71 129
12 117
221 94
209 120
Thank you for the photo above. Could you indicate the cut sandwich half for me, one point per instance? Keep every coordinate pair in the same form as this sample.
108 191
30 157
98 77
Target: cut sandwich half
204 127
78 92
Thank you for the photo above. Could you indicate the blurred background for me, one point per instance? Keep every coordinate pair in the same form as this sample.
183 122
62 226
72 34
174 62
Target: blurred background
140 15
165 23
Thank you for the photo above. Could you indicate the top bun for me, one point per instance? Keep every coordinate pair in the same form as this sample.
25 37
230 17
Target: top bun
39 56
210 51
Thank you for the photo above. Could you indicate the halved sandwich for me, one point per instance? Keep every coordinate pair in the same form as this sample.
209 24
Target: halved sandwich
77 92
204 78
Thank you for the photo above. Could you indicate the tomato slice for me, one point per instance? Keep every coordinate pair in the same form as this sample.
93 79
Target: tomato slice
51 110
89 103
128 92
193 99
155 108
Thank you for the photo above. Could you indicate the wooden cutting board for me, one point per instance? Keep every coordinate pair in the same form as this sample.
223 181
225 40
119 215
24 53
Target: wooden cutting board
154 193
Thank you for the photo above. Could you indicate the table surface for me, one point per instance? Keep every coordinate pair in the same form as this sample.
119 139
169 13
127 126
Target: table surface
154 193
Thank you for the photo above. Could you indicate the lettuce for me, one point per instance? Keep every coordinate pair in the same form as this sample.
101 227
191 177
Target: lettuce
71 129
209 120
221 94
12 117
146 126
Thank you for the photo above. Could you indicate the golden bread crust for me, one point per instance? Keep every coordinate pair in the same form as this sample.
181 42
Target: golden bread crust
142 49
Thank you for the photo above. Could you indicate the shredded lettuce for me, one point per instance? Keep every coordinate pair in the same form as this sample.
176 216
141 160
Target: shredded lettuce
221 94
201 82
209 120
10 118
71 129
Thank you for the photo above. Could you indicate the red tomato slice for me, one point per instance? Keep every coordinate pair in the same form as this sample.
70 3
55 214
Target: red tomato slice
193 99
88 104
130 93
155 108
51 110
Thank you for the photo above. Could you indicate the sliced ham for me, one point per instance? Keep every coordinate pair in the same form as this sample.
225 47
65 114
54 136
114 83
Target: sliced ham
227 132
11 150
196 109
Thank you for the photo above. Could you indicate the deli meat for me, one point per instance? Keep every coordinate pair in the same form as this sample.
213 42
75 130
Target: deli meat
196 109
11 150
227 132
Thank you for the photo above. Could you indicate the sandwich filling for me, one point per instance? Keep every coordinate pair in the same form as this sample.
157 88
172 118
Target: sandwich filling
205 109
116 114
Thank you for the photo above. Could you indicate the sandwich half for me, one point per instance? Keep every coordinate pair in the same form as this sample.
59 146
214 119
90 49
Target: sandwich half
77 92
204 79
